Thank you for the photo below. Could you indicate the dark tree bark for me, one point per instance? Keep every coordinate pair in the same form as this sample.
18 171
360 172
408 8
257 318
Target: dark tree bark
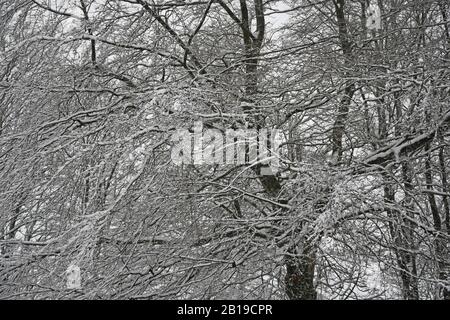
300 267
344 105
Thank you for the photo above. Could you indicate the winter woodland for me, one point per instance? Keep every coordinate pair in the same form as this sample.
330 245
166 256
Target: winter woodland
92 205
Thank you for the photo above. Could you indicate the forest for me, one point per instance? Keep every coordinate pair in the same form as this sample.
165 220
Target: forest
96 95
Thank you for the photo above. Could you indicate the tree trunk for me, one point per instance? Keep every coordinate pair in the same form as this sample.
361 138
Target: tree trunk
299 279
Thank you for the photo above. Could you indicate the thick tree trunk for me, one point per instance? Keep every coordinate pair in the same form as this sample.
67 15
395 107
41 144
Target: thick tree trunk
401 248
440 241
344 105
299 279
300 267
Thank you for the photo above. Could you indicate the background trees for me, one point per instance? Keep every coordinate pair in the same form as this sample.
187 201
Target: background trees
92 91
